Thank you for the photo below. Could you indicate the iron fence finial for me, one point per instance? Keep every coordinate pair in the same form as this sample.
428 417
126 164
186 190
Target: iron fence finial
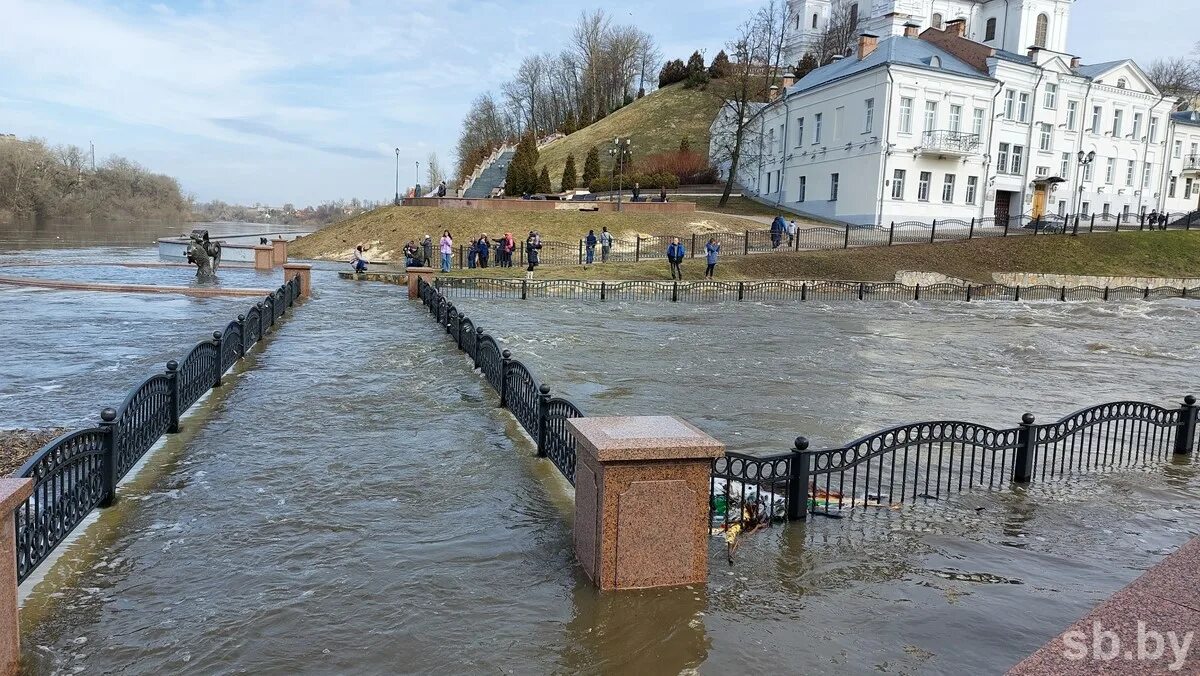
801 444
108 415
1190 400
1027 419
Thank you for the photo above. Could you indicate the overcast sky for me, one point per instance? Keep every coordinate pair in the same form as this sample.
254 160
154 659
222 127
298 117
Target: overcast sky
305 100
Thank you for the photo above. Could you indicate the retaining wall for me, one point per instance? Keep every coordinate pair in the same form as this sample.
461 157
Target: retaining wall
550 205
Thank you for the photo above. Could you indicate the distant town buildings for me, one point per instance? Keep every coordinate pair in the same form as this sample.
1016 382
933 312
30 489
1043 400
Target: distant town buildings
967 109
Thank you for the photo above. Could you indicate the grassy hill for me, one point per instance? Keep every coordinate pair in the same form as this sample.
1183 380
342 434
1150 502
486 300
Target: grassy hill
655 122
387 229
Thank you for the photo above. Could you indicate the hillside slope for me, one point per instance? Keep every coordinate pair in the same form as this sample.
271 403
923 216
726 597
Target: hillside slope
655 122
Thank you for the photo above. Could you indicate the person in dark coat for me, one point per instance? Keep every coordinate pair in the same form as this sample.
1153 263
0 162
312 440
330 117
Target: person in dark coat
711 251
427 250
675 254
778 227
590 245
533 244
637 191
662 194
485 247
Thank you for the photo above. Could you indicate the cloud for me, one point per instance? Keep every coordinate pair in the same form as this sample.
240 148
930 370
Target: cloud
259 127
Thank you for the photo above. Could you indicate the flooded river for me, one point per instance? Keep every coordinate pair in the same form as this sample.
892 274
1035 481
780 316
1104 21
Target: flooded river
355 503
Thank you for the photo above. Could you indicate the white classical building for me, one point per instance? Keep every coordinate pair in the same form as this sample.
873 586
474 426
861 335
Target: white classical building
982 113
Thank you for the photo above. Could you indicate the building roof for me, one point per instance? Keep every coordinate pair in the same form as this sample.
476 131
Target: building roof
1095 70
1188 117
896 50
1013 56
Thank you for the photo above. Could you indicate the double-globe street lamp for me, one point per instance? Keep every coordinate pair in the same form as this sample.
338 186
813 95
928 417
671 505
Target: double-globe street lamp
397 202
1084 159
622 148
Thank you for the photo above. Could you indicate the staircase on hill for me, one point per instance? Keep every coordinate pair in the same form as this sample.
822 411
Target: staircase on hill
490 178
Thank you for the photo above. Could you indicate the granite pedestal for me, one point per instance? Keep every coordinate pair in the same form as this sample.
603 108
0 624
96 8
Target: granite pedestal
641 500
413 275
12 493
304 272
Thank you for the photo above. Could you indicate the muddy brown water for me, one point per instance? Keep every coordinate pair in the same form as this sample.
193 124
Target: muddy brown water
355 503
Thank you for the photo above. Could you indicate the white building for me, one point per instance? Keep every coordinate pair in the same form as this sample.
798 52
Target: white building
924 125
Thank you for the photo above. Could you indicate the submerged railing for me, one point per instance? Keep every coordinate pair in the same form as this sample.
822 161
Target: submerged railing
542 416
713 291
933 460
79 471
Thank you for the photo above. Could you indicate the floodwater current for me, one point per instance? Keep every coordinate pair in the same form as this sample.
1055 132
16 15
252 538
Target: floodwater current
354 502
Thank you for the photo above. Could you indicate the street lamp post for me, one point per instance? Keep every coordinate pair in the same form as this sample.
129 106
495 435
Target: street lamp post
417 180
1084 159
397 202
619 151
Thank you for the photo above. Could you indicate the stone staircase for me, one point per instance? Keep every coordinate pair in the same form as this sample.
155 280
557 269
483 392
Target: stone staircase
491 177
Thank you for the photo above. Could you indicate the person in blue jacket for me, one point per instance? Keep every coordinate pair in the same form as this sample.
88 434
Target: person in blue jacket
711 251
591 246
675 254
778 226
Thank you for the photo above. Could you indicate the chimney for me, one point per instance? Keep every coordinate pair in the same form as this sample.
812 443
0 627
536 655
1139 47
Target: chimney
867 43
1075 62
910 29
774 93
789 79
957 27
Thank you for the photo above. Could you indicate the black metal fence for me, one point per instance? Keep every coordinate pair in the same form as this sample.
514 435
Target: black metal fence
930 461
816 238
542 416
711 291
79 471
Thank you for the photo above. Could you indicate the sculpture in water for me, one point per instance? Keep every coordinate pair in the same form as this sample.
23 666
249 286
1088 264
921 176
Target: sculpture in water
204 253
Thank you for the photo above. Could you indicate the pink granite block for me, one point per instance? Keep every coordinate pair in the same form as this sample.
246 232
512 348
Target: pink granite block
12 493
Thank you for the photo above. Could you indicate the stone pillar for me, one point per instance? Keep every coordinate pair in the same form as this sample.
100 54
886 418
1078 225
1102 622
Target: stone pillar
641 500
279 254
264 257
12 493
302 270
413 275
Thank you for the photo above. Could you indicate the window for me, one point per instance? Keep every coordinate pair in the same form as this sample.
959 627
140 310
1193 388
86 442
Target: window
771 143
931 115
1106 209
838 116
1018 152
1002 159
977 123
770 175
1110 171
1121 83
797 22
955 118
1118 114
923 186
833 187
1085 209
814 21
1178 150
1193 151
1097 113
1010 103
948 188
1145 174
989 31
1023 106
936 21
1087 171
1137 126
1129 169
1125 211
1153 129
906 105
1062 208
1187 188
1042 28
799 131
1046 130
782 138
801 194
898 184
854 14
972 188
816 128
1042 171
869 115
1050 100
1072 114
1171 187
1065 167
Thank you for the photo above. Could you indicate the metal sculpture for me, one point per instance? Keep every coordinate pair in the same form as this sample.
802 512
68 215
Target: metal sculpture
204 253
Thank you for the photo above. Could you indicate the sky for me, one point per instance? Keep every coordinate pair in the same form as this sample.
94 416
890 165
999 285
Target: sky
304 101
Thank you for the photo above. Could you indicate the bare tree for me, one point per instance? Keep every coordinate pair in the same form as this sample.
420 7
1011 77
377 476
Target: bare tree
839 35
744 91
1176 76
433 171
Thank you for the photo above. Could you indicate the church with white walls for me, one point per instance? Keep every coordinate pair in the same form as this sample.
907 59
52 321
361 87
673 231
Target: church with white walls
968 111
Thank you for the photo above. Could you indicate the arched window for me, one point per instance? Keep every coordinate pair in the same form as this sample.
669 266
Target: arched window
935 62
989 32
936 21
1043 27
854 14
814 21
797 22
1122 83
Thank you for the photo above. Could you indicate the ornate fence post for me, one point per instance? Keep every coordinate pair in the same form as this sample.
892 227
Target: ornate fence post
693 245
602 289
674 292
241 320
1075 230
1006 219
892 233
217 342
971 230
1185 433
1026 451
861 290
543 414
933 231
1017 293
108 423
741 290
1092 223
917 292
968 293
478 341
846 243
524 289
637 248
173 376
1062 295
803 290
746 243
262 329
505 359
800 466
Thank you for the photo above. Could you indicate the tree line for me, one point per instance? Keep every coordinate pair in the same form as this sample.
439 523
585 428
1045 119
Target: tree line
605 66
39 182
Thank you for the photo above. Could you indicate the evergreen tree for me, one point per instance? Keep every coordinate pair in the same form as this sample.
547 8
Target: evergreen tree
695 63
543 181
672 72
591 166
720 66
807 65
685 144
569 127
522 173
568 177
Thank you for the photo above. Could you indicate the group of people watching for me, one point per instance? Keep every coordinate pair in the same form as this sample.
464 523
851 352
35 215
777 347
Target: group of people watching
604 239
481 249
676 252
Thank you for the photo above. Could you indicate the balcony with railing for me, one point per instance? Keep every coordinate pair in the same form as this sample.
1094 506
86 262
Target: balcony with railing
946 143
1191 163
